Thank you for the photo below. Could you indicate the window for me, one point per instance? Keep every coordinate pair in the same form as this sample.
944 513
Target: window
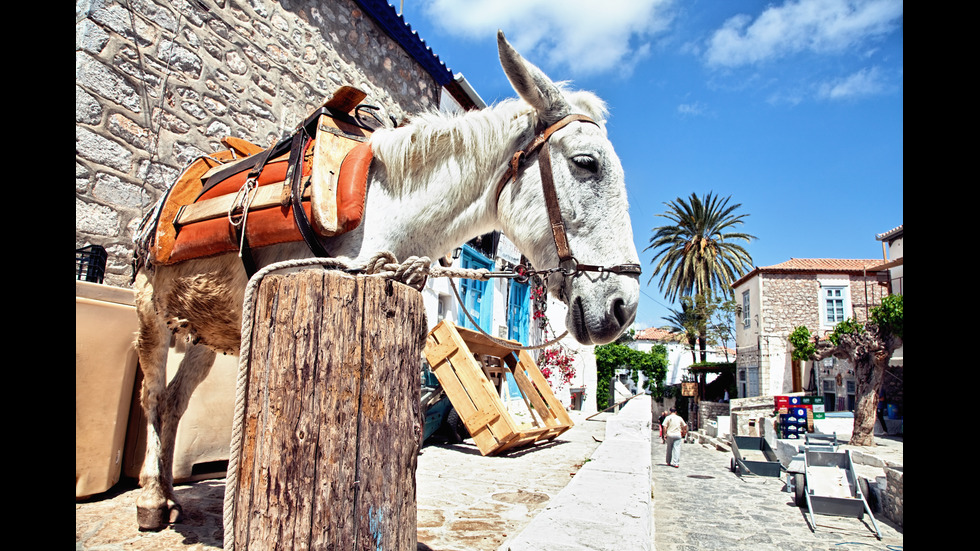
833 305
746 316
748 382
475 294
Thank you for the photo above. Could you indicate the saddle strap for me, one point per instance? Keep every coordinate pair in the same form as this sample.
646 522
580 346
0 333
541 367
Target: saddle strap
294 175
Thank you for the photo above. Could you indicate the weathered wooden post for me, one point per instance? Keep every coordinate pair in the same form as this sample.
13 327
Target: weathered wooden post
329 430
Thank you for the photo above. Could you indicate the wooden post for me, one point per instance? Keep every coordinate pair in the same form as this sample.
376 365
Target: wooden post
331 423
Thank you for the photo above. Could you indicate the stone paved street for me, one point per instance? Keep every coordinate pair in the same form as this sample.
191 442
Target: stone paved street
703 505
468 502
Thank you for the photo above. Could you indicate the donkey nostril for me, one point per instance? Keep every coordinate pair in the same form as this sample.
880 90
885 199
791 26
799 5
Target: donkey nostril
621 313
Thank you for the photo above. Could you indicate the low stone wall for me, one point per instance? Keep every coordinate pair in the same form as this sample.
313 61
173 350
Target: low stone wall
893 496
609 502
712 410
750 416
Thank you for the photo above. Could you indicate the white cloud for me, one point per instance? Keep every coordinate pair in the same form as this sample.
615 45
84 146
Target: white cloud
691 109
819 26
865 82
582 36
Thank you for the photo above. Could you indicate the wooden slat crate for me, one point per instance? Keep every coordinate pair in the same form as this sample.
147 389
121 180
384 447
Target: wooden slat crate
451 352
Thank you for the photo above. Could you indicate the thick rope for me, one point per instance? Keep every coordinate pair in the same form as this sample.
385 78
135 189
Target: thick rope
413 272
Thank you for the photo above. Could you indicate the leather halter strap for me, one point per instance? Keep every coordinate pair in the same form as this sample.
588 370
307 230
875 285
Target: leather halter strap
551 196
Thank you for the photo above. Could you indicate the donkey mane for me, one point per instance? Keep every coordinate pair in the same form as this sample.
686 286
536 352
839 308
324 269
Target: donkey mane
477 142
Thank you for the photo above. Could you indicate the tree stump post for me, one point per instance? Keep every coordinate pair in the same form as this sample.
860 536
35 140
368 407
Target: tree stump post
330 430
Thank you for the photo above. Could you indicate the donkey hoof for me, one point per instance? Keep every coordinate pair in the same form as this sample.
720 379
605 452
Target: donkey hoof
176 513
154 519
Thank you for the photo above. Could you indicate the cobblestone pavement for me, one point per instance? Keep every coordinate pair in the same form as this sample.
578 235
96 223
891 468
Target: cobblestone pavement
703 505
466 502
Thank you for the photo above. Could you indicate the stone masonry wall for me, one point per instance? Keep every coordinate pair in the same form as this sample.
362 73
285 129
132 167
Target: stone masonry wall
159 83
789 301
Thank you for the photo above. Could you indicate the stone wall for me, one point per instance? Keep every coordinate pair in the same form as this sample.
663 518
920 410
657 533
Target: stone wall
786 302
712 410
893 498
159 83
790 300
752 416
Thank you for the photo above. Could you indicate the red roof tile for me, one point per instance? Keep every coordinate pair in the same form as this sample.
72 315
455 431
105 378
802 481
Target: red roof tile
656 334
825 264
816 265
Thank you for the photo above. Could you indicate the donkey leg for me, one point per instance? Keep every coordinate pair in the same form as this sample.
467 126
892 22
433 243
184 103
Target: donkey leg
152 507
157 505
194 368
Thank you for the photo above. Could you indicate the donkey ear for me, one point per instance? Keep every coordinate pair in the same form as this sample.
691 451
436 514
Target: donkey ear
531 83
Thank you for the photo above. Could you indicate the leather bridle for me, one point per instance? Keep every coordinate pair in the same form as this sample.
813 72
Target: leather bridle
565 257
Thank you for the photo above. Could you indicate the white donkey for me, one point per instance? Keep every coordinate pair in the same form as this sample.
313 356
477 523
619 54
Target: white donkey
433 184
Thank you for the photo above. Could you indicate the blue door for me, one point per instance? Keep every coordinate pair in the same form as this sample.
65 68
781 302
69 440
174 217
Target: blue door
518 312
518 321
476 295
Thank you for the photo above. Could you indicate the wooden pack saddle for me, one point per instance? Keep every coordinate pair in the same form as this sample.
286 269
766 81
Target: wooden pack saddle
311 184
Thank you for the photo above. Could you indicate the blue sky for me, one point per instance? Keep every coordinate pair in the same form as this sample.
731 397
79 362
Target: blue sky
794 108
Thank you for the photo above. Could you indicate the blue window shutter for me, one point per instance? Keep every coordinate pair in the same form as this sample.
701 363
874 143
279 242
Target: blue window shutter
518 312
476 295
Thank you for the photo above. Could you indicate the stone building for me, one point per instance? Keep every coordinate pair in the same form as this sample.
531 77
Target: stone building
816 293
893 385
159 83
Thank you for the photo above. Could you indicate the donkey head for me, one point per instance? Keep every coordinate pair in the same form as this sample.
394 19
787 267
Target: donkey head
591 197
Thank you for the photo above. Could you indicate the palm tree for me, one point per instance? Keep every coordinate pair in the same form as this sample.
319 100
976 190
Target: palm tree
697 255
694 254
684 323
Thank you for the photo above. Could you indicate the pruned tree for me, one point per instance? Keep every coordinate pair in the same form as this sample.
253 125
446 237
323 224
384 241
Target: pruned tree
868 348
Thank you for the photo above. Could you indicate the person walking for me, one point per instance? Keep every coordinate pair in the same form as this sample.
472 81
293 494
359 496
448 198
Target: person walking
660 426
674 428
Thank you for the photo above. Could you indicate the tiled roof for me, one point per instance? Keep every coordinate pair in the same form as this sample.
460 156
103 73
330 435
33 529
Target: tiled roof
824 265
656 334
395 25
816 265
890 233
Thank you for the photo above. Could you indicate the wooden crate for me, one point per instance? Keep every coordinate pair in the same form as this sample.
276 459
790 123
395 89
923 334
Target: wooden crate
451 352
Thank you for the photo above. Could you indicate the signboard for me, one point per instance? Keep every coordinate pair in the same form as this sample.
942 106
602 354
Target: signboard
508 251
689 389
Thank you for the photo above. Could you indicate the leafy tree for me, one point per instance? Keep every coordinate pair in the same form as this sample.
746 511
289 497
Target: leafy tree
697 254
703 321
722 326
867 347
684 322
613 356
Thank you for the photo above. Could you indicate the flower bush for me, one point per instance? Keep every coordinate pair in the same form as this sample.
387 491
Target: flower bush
556 362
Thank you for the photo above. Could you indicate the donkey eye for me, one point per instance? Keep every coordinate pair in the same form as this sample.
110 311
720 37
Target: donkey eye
586 162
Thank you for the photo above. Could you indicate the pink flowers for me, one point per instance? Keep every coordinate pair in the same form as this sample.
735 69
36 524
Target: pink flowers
554 361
